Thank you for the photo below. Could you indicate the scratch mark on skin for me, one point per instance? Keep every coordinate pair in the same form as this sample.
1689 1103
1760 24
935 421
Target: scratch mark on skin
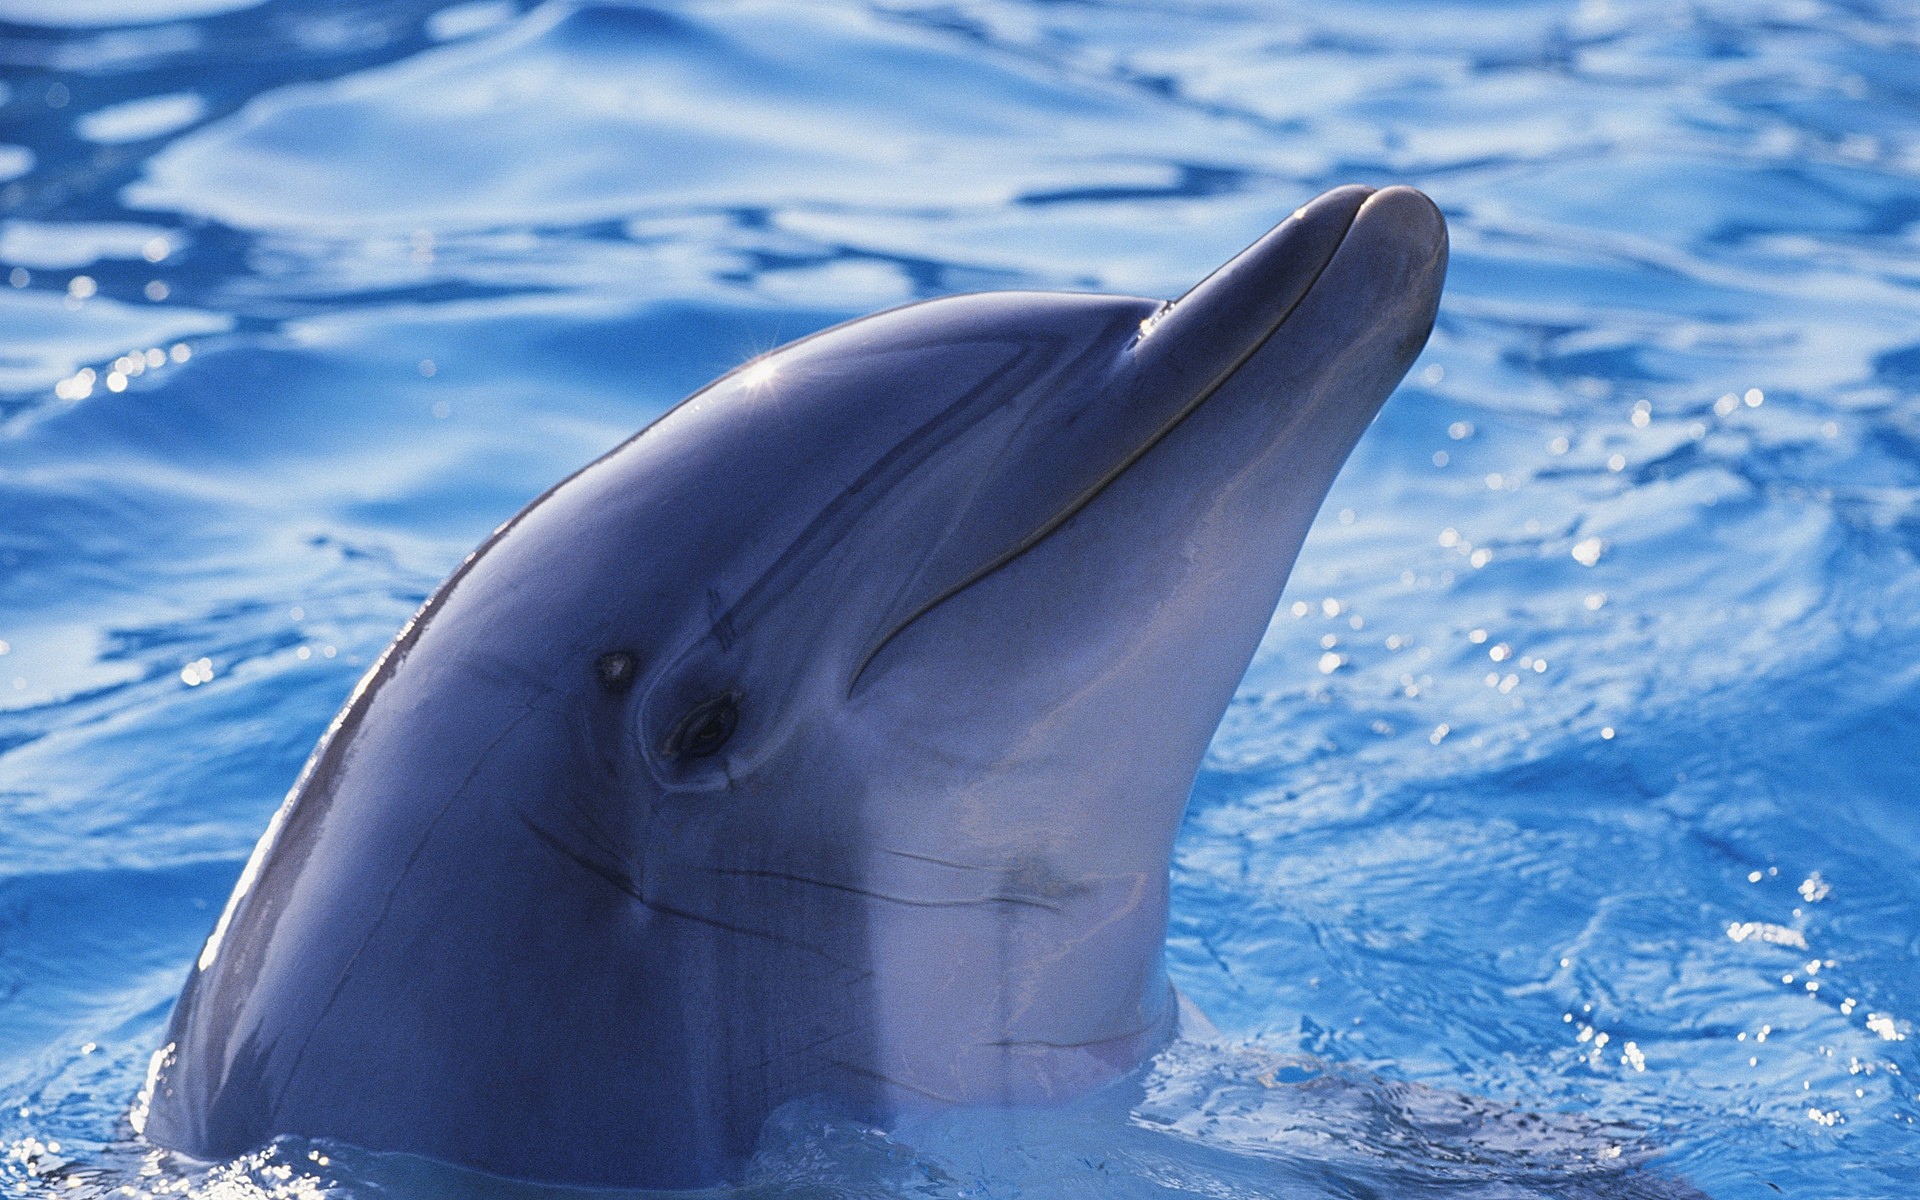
386 906
768 1061
1044 1044
720 619
623 882
613 875
1136 897
869 893
883 1077
938 862
854 971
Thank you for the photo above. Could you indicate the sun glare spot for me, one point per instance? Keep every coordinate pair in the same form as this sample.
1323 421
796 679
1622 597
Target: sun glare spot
1152 322
759 374
1764 931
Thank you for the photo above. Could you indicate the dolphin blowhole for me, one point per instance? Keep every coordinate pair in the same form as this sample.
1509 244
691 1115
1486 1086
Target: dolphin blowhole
902 646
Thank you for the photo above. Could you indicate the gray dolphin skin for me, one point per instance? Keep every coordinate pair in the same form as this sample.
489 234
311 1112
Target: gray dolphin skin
827 739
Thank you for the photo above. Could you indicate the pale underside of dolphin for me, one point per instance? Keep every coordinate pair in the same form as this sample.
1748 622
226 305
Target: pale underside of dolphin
828 738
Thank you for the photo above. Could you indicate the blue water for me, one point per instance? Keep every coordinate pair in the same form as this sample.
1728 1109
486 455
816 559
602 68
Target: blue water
1577 775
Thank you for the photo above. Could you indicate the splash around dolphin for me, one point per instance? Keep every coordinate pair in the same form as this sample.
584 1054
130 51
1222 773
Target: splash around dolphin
826 739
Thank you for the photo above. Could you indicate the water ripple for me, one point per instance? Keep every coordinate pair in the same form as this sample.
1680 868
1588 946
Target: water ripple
1559 841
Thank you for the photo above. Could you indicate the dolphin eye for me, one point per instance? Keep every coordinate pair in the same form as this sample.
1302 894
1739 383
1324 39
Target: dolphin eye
705 728
615 670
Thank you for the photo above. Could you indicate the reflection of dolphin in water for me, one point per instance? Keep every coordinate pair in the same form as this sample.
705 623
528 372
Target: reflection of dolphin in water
829 737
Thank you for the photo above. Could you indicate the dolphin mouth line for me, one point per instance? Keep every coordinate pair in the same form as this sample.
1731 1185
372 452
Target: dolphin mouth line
1073 507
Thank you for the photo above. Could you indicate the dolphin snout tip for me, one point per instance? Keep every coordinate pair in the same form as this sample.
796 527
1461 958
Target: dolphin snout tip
1409 216
1392 261
1401 221
1344 200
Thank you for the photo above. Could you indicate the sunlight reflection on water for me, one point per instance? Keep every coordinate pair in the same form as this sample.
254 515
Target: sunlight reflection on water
1573 775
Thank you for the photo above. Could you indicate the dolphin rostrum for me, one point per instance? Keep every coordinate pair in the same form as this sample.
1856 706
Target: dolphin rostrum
827 738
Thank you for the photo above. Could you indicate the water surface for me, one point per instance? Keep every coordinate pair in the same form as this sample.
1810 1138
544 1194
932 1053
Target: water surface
1575 777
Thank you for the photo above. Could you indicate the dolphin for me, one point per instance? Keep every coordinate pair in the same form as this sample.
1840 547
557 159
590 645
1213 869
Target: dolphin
827 739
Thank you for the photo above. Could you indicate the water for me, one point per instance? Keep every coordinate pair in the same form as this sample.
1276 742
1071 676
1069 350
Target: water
1575 777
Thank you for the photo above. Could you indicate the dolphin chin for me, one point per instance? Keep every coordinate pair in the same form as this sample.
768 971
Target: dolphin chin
828 738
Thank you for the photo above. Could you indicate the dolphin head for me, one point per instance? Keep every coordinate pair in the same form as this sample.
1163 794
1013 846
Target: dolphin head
938 612
922 541
836 728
